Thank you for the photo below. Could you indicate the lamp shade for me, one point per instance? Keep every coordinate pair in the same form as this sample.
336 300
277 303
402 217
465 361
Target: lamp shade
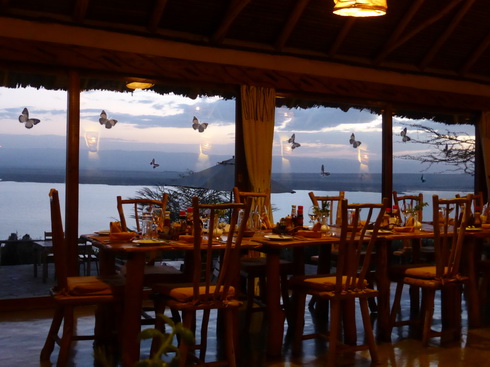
360 8
139 85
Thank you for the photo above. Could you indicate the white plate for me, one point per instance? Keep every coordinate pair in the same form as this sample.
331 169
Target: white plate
149 242
380 231
277 237
103 233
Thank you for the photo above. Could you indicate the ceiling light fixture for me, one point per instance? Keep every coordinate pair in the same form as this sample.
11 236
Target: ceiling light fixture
139 85
360 8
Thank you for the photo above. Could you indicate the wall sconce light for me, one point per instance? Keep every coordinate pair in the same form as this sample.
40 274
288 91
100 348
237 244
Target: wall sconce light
139 85
360 8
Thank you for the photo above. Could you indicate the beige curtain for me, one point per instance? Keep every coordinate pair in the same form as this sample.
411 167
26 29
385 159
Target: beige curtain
258 108
484 127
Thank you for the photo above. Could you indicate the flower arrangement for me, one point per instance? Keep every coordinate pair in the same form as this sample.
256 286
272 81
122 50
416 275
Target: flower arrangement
322 211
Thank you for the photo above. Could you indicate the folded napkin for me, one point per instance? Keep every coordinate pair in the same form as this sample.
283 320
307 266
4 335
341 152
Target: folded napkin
117 234
122 235
309 234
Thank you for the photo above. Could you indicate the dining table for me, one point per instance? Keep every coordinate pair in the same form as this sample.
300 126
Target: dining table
135 255
273 247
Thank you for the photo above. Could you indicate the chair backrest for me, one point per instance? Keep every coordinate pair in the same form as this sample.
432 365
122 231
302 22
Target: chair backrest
334 202
204 262
449 232
138 207
357 242
59 243
260 205
408 202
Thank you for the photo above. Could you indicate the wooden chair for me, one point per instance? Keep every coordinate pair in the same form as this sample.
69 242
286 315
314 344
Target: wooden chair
346 285
334 205
213 287
444 275
253 266
334 219
137 206
71 292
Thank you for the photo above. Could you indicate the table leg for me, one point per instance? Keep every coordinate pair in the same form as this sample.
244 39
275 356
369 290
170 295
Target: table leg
383 286
275 314
131 320
470 261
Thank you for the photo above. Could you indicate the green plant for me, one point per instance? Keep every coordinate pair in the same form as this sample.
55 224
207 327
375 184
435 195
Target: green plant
324 210
166 346
416 209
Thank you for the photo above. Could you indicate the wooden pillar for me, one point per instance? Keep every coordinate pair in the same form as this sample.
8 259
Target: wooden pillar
387 154
480 175
241 172
72 171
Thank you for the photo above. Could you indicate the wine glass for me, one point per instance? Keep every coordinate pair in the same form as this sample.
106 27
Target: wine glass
313 213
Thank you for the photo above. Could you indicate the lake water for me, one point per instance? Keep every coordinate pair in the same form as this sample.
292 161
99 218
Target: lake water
25 205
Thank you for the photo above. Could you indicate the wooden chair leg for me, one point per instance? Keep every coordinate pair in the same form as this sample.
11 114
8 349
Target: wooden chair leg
298 311
52 334
66 339
204 334
428 296
396 304
230 337
334 331
368 330
187 322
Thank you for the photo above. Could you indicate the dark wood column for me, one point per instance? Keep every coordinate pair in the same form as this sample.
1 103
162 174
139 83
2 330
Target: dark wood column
480 174
72 171
241 172
387 154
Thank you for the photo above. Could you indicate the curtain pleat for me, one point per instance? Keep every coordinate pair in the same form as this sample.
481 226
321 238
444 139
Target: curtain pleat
258 111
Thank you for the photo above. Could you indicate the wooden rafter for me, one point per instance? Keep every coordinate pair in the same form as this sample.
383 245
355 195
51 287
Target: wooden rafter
475 55
291 23
233 11
341 36
156 15
396 41
80 10
444 36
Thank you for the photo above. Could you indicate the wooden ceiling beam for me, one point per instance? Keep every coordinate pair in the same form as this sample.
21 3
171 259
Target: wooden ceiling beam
341 36
156 15
291 23
397 41
234 10
80 10
444 36
475 56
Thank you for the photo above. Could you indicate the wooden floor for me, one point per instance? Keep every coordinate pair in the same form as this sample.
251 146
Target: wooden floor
22 335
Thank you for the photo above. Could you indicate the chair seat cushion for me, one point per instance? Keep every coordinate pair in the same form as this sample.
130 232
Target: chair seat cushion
184 292
94 285
322 283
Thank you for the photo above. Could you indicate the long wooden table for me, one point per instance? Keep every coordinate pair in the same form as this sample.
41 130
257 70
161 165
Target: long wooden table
135 266
273 249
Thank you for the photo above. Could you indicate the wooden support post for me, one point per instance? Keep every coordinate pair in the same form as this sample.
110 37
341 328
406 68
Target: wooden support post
72 171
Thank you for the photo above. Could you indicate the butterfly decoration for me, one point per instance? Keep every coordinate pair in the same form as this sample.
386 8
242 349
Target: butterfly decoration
105 121
355 143
154 164
24 119
404 135
422 178
196 125
323 172
293 143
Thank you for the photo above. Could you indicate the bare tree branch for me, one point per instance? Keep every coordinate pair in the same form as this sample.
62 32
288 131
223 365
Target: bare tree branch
453 149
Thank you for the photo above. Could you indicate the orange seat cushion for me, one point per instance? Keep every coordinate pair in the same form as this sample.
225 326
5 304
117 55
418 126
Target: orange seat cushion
184 292
320 283
94 285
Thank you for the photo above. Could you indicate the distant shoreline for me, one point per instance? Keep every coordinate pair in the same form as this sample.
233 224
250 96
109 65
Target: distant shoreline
305 181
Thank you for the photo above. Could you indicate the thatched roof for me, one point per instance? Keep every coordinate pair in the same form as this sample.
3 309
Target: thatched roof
422 55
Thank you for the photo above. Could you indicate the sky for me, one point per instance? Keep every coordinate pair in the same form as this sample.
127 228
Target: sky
147 121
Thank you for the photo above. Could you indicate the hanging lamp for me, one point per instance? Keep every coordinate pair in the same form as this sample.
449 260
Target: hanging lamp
360 8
